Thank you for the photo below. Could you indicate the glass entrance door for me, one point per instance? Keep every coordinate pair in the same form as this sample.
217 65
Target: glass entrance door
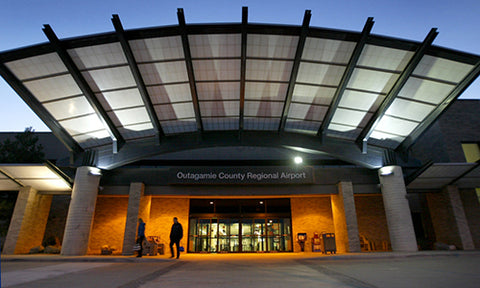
239 235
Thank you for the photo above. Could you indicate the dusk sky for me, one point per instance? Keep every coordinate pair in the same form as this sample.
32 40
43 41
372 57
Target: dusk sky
458 24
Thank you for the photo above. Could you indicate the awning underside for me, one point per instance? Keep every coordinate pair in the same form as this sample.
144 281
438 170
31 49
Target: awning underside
439 175
38 176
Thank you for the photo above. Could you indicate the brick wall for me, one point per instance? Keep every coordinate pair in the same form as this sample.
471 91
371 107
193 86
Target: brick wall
310 215
472 212
161 219
108 224
372 222
442 219
57 218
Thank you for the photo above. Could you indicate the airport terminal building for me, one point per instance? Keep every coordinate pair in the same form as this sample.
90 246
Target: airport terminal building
203 122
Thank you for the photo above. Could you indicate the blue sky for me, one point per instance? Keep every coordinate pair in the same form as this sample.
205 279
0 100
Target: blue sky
458 24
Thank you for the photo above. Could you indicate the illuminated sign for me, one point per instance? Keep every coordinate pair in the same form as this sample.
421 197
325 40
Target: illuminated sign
241 175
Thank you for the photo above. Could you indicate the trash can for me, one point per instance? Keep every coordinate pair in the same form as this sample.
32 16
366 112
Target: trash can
329 245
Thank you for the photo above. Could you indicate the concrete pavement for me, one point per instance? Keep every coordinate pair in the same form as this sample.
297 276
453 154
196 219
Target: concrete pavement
384 269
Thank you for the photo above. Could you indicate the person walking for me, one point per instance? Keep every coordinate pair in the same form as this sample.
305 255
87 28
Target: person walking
176 234
140 236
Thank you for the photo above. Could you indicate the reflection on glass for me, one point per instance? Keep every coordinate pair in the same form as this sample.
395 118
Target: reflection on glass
240 235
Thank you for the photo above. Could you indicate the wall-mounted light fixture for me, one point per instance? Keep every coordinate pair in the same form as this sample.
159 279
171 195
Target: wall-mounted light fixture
386 171
95 171
298 160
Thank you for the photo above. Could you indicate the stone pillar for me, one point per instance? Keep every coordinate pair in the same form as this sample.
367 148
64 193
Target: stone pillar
28 223
345 219
459 217
399 219
138 207
81 211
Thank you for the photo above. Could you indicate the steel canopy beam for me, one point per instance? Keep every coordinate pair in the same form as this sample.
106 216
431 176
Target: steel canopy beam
296 65
243 66
127 50
344 150
189 64
117 138
402 79
346 76
40 110
442 107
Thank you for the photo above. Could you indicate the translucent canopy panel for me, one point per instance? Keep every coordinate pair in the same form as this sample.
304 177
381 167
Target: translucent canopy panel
180 126
172 93
218 91
38 66
38 176
263 108
271 46
175 111
320 74
307 112
296 125
122 98
220 124
98 56
425 90
52 88
372 80
69 108
97 89
384 58
265 91
442 69
347 117
395 126
311 94
358 100
269 70
216 69
157 49
266 124
327 50
219 108
164 72
83 124
109 79
411 110
215 45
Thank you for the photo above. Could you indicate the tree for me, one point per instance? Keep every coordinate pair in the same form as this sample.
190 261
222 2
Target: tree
24 149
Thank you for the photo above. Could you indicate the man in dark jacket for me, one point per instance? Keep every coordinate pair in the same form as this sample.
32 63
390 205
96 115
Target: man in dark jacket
176 234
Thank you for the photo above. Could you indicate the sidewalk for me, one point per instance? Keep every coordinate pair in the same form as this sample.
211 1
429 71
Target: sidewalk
232 256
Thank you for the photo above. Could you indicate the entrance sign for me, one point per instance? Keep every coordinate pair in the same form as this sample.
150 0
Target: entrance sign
241 175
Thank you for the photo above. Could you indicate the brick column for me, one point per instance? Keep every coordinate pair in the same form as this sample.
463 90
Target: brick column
28 223
399 219
81 211
138 207
345 219
459 217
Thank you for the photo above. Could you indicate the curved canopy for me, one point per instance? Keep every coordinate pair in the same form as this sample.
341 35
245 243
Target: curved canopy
160 83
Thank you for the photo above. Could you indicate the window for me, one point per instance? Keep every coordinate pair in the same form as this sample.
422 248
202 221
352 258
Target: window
472 154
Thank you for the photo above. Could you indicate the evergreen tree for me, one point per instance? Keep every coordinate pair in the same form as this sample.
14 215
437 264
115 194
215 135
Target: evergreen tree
24 149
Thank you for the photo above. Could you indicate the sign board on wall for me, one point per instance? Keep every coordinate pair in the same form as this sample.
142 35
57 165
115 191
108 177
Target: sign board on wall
241 175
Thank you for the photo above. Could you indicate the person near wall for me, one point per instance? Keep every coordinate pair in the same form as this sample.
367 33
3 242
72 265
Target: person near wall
140 236
176 234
